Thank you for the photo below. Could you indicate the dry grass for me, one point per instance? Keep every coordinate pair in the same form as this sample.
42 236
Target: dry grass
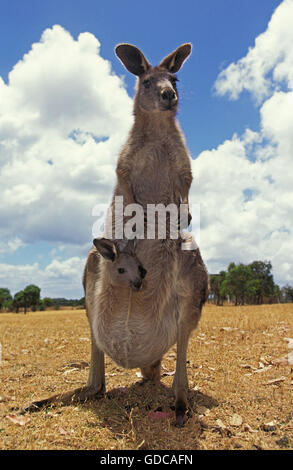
48 352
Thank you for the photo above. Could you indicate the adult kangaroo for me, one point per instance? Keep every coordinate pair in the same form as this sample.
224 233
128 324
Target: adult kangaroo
154 167
136 328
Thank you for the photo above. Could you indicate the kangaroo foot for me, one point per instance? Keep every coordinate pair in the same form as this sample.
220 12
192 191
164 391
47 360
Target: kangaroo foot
180 409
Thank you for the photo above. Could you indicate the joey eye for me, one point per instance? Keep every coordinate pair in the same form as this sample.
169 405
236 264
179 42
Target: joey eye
146 83
121 270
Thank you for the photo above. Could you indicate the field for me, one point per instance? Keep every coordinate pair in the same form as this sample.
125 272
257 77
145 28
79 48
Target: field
239 377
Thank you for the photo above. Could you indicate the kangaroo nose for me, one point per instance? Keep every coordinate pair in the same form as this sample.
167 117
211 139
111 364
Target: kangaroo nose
168 94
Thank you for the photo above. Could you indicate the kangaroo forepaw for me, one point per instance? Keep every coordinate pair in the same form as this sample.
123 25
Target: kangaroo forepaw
184 224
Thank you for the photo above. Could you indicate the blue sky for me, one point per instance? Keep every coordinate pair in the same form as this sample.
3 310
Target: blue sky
221 32
218 104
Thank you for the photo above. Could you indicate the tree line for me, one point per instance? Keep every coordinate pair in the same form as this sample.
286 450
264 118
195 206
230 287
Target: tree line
248 284
30 299
241 284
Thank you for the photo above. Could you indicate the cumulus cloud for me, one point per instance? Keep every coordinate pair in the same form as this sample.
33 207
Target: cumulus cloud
63 118
64 115
58 279
245 186
11 245
268 64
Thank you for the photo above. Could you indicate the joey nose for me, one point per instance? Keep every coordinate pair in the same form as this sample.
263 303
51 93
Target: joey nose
143 272
168 95
137 284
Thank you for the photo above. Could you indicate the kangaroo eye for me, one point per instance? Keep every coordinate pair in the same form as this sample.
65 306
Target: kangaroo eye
146 83
121 270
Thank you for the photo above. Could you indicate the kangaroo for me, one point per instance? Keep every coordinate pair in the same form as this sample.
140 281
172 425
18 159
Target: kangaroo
154 167
137 329
124 271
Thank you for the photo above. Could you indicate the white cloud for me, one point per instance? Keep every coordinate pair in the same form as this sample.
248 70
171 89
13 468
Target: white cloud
11 245
63 118
58 279
246 185
268 64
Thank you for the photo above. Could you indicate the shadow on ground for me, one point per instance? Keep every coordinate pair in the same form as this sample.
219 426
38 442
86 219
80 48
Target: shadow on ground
144 412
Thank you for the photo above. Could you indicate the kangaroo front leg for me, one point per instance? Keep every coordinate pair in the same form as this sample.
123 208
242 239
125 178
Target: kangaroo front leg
180 384
123 172
185 216
185 183
95 387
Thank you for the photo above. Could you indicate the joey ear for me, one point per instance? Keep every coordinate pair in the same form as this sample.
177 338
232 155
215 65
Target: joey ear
174 61
131 245
106 248
132 58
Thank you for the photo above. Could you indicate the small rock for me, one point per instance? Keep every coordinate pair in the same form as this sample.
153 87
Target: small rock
228 328
236 420
269 427
283 442
220 424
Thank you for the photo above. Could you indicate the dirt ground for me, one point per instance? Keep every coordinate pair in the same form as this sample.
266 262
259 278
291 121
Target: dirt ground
240 376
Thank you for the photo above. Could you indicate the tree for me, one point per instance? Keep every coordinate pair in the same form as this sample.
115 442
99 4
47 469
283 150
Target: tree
216 283
237 282
5 297
32 296
47 302
81 302
261 270
29 297
288 293
252 290
19 301
8 305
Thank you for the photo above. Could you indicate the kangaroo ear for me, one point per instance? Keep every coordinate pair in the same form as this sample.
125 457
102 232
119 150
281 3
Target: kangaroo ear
132 58
174 61
106 248
131 245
